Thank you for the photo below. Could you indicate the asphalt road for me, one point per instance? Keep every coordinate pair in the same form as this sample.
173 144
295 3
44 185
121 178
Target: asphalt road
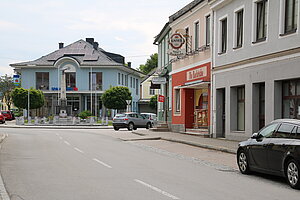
93 164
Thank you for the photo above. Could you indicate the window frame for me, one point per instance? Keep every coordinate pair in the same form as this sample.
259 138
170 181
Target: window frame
261 20
239 28
207 29
177 103
241 100
294 24
223 35
44 81
197 34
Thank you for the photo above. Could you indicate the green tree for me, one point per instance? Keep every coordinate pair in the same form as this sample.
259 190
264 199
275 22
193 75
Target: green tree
6 86
151 63
20 98
115 97
153 102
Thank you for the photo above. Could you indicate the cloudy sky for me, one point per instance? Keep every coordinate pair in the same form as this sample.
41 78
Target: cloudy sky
33 28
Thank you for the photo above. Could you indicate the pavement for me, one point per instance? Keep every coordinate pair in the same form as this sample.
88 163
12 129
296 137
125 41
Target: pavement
218 144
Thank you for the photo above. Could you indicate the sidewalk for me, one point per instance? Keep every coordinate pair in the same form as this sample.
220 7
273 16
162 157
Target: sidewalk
223 145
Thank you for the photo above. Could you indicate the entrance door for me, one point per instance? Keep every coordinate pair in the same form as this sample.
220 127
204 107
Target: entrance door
220 113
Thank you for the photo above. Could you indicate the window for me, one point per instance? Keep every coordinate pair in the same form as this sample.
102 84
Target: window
137 86
42 80
284 131
196 35
152 91
224 35
70 79
291 16
261 20
122 79
119 78
268 130
207 31
177 100
291 99
239 28
96 81
131 82
126 80
241 108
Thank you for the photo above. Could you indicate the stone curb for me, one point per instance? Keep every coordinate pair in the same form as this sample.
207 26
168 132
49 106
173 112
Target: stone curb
59 127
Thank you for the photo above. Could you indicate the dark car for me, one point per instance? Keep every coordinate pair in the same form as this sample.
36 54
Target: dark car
2 118
275 149
131 121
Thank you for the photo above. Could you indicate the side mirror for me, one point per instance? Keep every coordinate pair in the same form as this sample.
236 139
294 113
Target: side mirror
255 136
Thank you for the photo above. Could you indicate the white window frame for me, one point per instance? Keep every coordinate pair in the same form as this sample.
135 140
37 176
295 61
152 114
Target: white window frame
195 34
220 35
210 28
236 11
254 22
282 16
177 102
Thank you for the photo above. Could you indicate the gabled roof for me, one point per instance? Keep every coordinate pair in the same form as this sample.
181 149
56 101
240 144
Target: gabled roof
82 51
151 73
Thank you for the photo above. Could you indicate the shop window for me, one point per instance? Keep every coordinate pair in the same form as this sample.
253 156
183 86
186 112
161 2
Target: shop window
291 99
241 108
42 80
177 100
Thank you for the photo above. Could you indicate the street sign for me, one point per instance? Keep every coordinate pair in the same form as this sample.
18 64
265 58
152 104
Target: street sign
159 80
16 79
161 98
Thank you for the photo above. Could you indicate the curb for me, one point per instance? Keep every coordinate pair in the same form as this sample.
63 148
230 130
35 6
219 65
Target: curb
3 193
61 127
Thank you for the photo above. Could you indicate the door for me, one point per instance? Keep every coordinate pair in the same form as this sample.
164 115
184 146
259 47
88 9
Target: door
259 147
279 145
220 112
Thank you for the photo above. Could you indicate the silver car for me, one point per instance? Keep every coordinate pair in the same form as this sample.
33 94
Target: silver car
152 117
131 121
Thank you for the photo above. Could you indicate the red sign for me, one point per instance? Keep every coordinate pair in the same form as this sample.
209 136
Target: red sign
161 98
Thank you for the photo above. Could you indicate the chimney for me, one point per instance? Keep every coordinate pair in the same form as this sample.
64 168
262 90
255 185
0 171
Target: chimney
95 45
90 40
129 64
60 45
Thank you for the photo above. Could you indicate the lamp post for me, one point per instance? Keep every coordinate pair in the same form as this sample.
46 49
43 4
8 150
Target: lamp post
28 101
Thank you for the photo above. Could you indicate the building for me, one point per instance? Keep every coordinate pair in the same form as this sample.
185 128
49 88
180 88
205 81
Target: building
190 53
164 109
89 71
256 56
147 92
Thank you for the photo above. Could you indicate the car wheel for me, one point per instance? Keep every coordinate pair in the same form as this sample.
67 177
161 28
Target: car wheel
148 125
130 126
292 173
242 161
116 128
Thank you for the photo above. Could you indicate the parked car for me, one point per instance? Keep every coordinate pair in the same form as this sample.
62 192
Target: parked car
275 149
7 114
152 117
131 121
2 118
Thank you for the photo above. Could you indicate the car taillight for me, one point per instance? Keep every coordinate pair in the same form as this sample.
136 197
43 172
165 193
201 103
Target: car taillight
126 119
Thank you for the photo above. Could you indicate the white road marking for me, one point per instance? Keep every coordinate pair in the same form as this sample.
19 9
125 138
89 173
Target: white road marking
102 163
78 150
67 143
156 189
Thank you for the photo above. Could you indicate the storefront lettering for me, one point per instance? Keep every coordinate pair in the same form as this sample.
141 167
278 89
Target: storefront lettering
196 73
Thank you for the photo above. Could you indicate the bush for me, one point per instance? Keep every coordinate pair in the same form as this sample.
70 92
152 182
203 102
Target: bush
85 114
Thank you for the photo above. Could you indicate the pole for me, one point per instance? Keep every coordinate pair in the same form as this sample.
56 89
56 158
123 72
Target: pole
28 104
91 85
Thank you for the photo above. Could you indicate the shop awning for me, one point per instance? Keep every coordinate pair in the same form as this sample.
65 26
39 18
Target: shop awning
194 85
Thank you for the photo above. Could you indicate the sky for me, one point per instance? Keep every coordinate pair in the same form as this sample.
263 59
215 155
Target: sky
33 28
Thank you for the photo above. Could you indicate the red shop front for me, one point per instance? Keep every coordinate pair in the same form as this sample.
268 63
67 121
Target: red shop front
191 98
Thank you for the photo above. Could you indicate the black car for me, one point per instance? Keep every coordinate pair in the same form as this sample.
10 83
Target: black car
275 149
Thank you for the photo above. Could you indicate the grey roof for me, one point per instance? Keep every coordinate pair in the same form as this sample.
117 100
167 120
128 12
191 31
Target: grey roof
184 10
83 52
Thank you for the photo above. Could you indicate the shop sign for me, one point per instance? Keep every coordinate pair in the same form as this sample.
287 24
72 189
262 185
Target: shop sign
16 79
161 98
159 80
176 52
176 41
196 73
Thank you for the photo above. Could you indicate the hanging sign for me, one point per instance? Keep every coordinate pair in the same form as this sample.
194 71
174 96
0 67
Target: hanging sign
176 41
161 98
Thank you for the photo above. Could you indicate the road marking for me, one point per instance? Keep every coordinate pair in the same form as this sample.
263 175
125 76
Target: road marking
102 163
78 150
67 143
156 189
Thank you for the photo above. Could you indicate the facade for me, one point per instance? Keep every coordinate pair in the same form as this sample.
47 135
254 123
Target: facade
191 67
89 71
147 92
256 74
164 109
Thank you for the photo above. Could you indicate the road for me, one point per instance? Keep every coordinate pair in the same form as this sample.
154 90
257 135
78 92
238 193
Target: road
41 164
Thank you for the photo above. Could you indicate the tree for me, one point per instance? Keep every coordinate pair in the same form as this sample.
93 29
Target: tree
20 98
151 63
153 102
6 86
115 97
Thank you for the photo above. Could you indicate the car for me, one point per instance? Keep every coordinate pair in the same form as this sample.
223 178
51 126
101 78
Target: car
275 149
7 114
131 121
152 117
2 118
